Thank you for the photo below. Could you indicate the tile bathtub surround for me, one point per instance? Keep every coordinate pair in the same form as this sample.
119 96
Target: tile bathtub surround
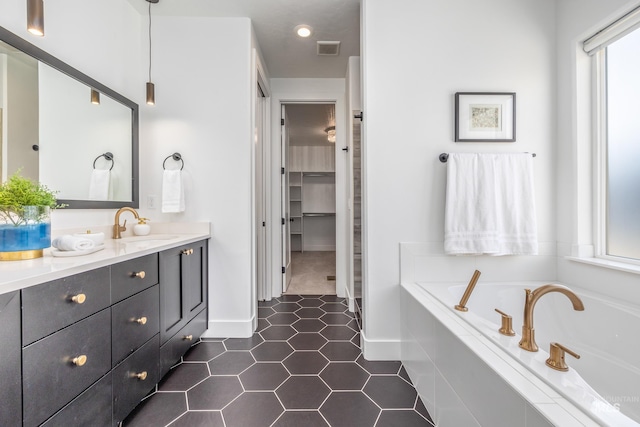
302 368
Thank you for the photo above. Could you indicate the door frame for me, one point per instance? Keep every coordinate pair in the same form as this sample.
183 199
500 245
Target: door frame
342 186
260 78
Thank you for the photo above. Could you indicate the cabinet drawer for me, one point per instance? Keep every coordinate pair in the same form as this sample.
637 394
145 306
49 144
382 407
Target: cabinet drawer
134 378
133 322
133 276
94 407
51 378
54 305
172 350
10 360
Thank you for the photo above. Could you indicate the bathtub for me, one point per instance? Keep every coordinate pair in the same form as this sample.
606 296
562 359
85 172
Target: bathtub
600 388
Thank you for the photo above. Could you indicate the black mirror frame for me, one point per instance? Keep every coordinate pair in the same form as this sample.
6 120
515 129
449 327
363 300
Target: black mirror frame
39 54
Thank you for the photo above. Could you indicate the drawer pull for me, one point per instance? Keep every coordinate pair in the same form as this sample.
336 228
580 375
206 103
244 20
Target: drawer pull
139 274
80 360
142 321
79 299
188 337
187 252
141 376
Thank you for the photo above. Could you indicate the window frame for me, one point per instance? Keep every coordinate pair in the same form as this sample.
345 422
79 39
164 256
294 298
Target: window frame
600 137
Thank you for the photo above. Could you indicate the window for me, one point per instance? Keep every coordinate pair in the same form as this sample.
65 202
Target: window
618 79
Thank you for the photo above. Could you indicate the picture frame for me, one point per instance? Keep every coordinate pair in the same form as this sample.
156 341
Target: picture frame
485 117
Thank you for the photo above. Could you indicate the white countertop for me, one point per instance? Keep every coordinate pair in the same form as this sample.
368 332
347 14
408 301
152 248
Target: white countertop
15 275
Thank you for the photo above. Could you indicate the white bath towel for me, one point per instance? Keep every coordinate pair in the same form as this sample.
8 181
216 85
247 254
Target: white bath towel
99 184
172 191
70 243
490 206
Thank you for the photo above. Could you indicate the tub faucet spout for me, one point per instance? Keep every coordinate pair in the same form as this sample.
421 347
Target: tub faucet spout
467 293
528 341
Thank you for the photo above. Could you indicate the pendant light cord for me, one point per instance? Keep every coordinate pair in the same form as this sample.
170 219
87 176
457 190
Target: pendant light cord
149 41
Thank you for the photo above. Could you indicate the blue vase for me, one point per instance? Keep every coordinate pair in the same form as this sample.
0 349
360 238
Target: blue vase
24 232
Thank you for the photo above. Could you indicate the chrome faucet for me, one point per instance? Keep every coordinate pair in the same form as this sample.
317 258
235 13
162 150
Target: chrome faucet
528 341
117 228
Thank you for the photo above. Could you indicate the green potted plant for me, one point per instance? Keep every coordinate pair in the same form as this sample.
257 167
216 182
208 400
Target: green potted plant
25 227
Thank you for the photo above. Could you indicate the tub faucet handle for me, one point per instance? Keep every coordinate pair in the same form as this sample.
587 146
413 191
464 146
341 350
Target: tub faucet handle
556 356
507 324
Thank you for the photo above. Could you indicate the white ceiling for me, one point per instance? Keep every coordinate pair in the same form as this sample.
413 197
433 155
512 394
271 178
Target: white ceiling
286 55
307 123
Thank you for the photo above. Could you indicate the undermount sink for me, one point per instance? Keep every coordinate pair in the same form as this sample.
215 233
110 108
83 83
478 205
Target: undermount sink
149 239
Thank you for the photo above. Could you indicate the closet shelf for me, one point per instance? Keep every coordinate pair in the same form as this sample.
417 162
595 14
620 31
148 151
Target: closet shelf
318 174
318 214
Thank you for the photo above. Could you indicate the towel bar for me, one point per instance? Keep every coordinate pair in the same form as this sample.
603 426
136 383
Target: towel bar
108 156
175 156
445 156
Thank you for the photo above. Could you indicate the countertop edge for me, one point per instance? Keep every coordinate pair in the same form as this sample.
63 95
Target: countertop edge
24 274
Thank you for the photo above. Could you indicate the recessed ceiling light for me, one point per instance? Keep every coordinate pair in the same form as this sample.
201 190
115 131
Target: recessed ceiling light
303 30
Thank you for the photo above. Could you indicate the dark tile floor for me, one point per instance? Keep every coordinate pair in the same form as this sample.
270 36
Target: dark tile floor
302 368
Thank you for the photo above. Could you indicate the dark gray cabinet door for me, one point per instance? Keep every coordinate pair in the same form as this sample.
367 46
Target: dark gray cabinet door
133 322
194 278
134 378
10 361
59 367
94 407
183 286
172 350
54 305
135 275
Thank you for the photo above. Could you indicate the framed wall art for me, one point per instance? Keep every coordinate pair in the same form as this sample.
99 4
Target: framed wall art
485 117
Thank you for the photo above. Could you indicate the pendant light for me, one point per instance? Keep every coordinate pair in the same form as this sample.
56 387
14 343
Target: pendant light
95 97
331 134
35 17
151 89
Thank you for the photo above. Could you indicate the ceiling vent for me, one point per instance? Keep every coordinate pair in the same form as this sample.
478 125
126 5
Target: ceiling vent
329 48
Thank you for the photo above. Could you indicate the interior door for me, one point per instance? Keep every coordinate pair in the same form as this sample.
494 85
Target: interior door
284 179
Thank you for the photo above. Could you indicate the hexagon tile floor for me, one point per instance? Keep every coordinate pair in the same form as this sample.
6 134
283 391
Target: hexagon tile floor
302 368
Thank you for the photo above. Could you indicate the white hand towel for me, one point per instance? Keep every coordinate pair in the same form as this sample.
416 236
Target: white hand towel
172 191
99 184
490 206
70 243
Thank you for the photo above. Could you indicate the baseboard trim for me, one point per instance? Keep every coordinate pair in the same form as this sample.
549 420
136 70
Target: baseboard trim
230 329
380 349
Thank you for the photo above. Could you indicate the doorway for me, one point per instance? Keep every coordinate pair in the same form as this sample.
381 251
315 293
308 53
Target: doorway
309 198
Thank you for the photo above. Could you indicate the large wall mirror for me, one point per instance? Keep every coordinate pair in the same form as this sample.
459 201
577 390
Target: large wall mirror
60 127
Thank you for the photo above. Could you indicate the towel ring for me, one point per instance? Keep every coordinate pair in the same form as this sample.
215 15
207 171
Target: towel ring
175 156
108 156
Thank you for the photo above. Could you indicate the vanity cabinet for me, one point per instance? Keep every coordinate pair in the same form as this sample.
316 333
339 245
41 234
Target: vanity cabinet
10 363
87 348
183 299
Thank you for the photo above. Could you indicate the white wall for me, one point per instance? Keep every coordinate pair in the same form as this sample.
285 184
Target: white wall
577 20
202 75
202 72
413 63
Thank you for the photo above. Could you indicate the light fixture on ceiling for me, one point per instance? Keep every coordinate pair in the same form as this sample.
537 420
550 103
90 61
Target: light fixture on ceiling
303 31
95 97
151 89
331 134
35 17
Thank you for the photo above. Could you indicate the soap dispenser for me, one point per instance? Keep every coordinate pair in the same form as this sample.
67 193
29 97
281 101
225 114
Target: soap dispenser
142 228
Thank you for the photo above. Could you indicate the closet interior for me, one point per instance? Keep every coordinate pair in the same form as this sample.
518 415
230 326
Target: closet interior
312 198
